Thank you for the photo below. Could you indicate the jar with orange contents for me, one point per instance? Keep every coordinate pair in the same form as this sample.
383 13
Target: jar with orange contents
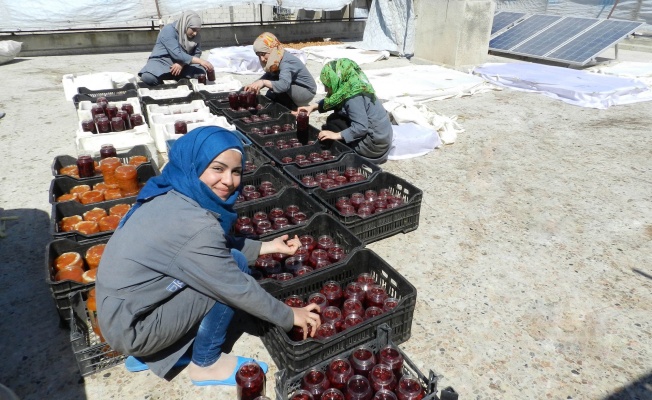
92 196
127 178
91 306
137 160
108 167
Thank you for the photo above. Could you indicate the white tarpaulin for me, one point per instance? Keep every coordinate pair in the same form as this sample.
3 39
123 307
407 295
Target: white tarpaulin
421 83
242 59
390 26
324 54
627 69
48 14
580 88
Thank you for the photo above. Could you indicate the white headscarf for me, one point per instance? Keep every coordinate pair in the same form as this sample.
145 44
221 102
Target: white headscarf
189 19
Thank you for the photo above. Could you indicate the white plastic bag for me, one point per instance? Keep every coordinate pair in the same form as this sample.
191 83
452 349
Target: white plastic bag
406 111
9 49
412 140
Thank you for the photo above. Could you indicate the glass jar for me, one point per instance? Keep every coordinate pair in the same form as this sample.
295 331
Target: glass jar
128 108
315 382
180 127
88 125
409 388
250 381
333 315
302 395
111 111
320 300
96 109
107 150
383 394
136 120
376 296
352 320
336 253
103 124
201 79
85 166
391 356
358 388
125 118
234 101
362 360
332 394
382 377
325 331
333 292
117 124
339 372
352 306
302 127
389 304
126 177
252 99
210 75
372 312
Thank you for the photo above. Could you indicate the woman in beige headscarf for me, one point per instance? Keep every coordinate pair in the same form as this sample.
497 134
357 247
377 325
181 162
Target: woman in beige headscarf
287 79
177 48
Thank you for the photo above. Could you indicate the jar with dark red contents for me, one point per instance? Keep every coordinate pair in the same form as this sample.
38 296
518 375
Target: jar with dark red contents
352 306
316 382
180 127
286 128
88 125
303 121
357 178
136 120
340 180
332 394
352 320
286 160
296 334
372 312
284 276
86 166
242 99
267 192
409 388
201 78
299 218
358 388
246 230
268 266
382 377
252 195
266 130
302 395
339 372
234 101
108 150
350 171
111 111
294 301
336 253
391 356
332 173
317 254
365 211
250 381
264 227
258 217
102 102
357 199
125 118
347 210
333 315
117 124
304 269
362 360
96 109
308 180
376 296
325 242
383 394
280 257
322 262
354 291
252 99
320 300
325 331
280 223
389 304
210 75
333 292
128 108
293 263
243 220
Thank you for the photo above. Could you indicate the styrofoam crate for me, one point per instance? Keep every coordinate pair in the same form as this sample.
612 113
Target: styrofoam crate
84 108
223 84
122 141
163 126
174 109
181 91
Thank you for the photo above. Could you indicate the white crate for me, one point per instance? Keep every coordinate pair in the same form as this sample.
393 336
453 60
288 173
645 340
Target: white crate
223 84
163 126
122 141
160 94
173 109
84 108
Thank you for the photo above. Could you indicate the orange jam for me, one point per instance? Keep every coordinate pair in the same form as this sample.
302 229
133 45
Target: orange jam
127 179
108 167
109 223
87 227
67 224
68 260
93 196
95 214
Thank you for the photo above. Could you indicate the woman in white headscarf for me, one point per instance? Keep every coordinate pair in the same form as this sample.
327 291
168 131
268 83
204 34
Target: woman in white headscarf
177 48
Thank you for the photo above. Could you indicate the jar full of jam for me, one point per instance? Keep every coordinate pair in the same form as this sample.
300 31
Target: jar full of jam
91 306
111 111
86 166
128 107
88 125
117 124
108 167
180 127
125 118
103 124
136 120
250 381
302 127
107 150
210 75
126 177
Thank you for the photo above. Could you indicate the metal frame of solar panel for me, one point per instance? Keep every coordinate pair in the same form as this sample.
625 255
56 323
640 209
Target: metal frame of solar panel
570 40
503 19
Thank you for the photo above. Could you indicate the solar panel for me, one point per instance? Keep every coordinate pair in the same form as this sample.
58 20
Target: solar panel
503 19
554 36
523 31
592 42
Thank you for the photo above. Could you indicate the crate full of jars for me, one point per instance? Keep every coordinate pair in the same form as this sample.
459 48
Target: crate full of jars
104 117
355 298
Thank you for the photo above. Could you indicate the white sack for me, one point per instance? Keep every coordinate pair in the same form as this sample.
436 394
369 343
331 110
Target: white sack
9 49
446 127
412 140
242 59
324 54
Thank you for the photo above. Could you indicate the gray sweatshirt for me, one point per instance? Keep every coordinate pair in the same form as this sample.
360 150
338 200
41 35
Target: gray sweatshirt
291 72
164 270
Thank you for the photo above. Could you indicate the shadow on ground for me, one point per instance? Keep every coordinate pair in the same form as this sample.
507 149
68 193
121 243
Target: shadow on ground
33 344
640 389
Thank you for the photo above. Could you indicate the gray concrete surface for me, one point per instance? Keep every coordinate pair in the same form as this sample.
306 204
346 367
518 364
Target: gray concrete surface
532 258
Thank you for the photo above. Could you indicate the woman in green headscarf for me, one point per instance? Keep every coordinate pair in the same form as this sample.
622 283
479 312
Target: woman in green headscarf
359 119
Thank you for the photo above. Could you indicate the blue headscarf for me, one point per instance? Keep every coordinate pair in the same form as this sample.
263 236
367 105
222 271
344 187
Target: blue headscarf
188 158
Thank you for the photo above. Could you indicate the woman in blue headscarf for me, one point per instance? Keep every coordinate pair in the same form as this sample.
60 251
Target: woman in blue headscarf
171 277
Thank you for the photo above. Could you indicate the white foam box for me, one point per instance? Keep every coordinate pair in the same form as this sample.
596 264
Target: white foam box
122 141
84 108
181 91
172 109
101 80
223 84
162 127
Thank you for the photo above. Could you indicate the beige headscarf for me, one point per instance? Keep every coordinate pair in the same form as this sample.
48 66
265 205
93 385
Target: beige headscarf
268 43
189 19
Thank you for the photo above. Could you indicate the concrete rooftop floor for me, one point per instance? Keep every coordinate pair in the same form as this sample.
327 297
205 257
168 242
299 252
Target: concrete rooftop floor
532 261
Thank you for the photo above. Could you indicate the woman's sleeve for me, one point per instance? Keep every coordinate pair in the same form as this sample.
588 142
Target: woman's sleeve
285 79
357 113
206 265
170 40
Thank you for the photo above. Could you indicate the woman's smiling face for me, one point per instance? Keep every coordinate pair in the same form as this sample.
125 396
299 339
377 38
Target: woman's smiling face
224 173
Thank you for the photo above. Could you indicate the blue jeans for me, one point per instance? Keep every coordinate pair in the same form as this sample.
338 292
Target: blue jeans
211 335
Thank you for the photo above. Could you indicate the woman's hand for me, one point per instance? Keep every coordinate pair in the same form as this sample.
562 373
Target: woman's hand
325 135
282 245
255 86
308 109
207 65
175 69
307 320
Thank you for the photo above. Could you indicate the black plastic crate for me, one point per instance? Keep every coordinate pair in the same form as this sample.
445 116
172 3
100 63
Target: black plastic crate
257 157
91 352
337 149
289 195
287 385
62 289
260 139
112 95
180 82
218 102
70 208
267 173
124 156
281 120
319 224
366 168
274 110
404 218
62 184
299 356
147 100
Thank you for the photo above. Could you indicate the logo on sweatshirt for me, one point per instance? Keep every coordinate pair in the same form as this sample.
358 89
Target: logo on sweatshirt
175 286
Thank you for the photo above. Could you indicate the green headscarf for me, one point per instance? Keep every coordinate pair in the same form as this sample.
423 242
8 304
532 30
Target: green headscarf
345 79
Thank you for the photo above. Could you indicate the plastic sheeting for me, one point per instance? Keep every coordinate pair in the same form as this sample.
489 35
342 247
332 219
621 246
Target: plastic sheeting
633 10
324 54
580 88
242 59
390 26
48 14
421 83
627 69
